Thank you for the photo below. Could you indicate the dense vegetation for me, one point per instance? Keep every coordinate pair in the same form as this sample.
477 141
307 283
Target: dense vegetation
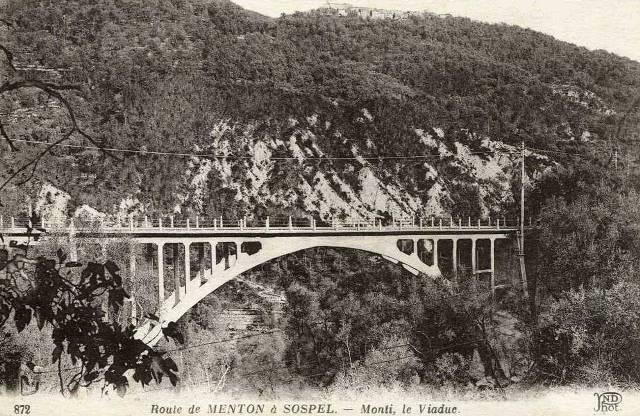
74 306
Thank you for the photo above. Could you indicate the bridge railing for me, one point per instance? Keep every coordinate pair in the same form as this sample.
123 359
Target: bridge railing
268 223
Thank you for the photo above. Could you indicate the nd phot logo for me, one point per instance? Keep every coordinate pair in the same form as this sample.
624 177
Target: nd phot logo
608 401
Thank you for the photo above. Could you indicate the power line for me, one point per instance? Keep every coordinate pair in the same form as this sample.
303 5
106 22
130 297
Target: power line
291 158
239 157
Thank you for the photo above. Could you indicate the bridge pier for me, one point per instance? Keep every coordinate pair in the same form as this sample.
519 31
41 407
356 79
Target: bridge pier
105 302
493 266
132 278
212 254
73 245
435 253
187 271
160 260
474 257
454 258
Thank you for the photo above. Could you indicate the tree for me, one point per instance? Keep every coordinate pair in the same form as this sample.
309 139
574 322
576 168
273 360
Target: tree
588 242
588 336
56 293
584 259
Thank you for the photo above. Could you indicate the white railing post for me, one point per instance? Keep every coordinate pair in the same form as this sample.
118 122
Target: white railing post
197 221
146 222
221 222
266 224
313 223
431 221
380 224
290 223
469 221
498 224
171 221
420 222
215 223
131 222
13 222
159 222
188 225
440 223
478 223
489 221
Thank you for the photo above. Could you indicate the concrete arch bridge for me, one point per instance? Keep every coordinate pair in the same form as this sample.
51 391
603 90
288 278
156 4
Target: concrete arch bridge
172 266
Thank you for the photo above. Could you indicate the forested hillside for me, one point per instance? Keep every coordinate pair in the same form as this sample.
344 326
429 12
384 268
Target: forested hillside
195 76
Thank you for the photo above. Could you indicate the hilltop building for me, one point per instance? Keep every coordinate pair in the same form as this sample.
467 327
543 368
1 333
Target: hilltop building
346 9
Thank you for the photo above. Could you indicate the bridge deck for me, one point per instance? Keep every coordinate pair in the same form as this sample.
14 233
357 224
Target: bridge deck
262 231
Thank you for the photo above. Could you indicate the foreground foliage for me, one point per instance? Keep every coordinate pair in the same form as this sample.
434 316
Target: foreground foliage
73 300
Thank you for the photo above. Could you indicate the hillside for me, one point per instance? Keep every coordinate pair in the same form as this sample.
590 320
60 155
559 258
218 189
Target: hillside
309 113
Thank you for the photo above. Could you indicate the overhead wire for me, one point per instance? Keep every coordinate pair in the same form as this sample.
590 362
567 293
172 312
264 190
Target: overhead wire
242 157
514 151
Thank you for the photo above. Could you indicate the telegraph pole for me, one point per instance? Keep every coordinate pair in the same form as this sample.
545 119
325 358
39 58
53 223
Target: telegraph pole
523 272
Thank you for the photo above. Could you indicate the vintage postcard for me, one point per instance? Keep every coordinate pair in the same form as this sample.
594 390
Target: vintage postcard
303 207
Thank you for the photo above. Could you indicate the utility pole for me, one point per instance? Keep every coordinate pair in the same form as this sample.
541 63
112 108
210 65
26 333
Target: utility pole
523 272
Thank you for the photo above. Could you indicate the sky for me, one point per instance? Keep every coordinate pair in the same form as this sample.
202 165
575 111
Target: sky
613 25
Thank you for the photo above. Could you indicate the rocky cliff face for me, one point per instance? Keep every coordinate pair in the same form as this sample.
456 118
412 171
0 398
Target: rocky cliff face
357 188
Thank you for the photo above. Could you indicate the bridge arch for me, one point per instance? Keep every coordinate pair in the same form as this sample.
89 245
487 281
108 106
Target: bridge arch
194 291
